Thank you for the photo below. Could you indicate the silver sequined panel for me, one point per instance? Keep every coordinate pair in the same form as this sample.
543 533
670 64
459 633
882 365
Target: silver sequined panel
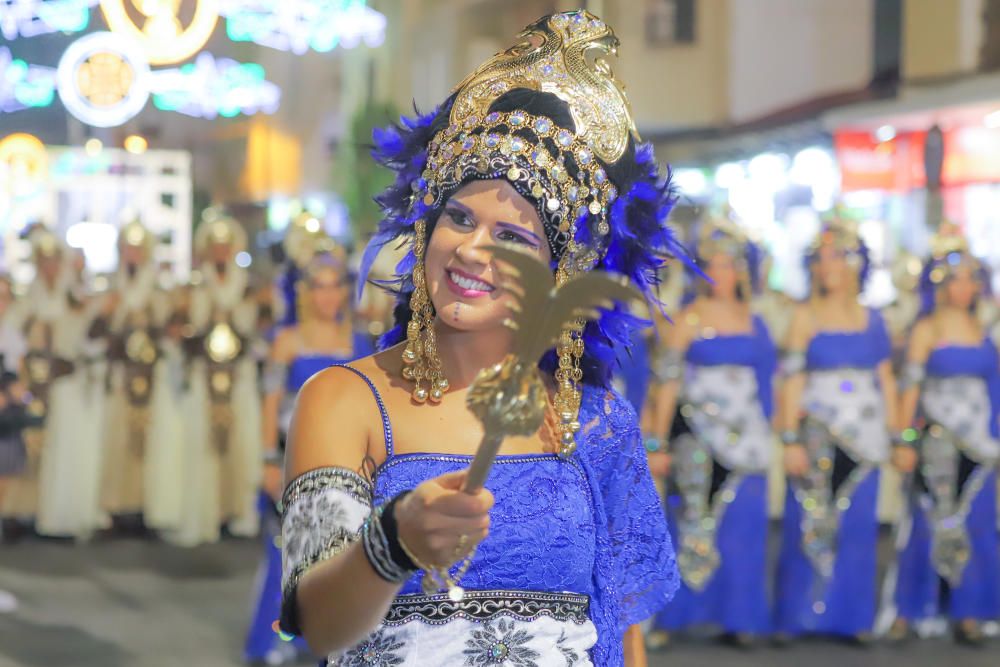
962 405
848 402
726 414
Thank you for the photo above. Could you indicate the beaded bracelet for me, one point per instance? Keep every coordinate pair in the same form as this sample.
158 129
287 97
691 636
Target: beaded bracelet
789 437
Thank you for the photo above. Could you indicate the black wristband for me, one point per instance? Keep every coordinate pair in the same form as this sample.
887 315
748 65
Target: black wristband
379 548
391 530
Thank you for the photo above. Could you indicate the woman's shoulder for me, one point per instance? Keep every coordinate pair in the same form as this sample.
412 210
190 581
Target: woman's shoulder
607 420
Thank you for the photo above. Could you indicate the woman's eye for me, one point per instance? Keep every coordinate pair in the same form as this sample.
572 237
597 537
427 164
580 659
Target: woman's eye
460 218
514 237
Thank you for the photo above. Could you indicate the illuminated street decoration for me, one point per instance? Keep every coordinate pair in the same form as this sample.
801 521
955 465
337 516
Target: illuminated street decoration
28 18
23 164
23 86
160 31
211 87
103 79
301 25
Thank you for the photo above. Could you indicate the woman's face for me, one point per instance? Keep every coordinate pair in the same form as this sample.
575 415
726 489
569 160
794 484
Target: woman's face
462 278
133 255
831 268
328 292
723 271
962 288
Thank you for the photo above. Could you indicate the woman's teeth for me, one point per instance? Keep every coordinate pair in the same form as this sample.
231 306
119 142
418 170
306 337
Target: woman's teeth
469 283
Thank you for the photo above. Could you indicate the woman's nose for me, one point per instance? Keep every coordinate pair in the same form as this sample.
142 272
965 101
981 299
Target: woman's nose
473 247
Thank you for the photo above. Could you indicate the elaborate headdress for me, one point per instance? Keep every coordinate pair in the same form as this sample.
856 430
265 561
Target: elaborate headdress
949 252
304 238
219 229
134 234
45 244
842 234
719 235
547 116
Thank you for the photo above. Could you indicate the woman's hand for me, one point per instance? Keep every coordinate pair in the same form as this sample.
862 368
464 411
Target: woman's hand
659 464
796 460
905 459
434 517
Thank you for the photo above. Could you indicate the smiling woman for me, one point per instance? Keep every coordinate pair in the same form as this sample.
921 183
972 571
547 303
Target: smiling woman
567 550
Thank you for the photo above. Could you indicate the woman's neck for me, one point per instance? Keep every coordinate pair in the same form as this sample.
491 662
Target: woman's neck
464 353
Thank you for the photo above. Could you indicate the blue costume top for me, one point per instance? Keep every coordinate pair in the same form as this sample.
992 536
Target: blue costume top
754 349
578 549
981 361
307 364
851 349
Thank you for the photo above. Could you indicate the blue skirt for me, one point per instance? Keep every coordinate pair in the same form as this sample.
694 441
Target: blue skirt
919 588
735 598
846 605
262 636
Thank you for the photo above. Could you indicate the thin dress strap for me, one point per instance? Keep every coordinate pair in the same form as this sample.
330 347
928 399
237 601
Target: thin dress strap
386 425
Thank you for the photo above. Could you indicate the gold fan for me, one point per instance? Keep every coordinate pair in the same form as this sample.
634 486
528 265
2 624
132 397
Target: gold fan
509 397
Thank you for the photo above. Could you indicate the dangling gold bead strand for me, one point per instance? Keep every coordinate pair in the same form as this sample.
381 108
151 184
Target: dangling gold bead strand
422 365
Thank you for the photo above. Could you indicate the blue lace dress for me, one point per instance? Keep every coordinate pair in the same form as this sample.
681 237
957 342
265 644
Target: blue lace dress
827 565
950 563
578 551
722 444
263 642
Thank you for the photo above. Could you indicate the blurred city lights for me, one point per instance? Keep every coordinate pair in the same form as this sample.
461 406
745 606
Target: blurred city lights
135 144
93 147
30 18
885 133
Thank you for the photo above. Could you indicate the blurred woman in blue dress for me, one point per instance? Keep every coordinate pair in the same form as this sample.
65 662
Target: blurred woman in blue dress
838 409
949 561
323 336
710 428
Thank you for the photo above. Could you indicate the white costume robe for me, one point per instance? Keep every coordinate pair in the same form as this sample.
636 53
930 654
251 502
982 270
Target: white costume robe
222 460
62 483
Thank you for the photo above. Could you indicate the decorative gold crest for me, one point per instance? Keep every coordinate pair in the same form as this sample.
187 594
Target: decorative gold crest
563 54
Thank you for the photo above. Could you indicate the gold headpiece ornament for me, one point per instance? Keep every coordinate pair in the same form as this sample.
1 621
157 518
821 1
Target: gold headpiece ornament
219 229
563 54
135 234
562 171
44 243
841 233
949 251
720 235
304 238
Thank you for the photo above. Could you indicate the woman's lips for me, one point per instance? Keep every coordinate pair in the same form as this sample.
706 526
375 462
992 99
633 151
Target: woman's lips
466 286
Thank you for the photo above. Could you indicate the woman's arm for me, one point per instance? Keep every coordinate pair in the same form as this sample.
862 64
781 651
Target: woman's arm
921 342
340 600
281 353
635 649
800 332
663 395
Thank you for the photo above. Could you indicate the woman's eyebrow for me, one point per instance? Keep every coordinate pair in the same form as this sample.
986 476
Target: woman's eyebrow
460 206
